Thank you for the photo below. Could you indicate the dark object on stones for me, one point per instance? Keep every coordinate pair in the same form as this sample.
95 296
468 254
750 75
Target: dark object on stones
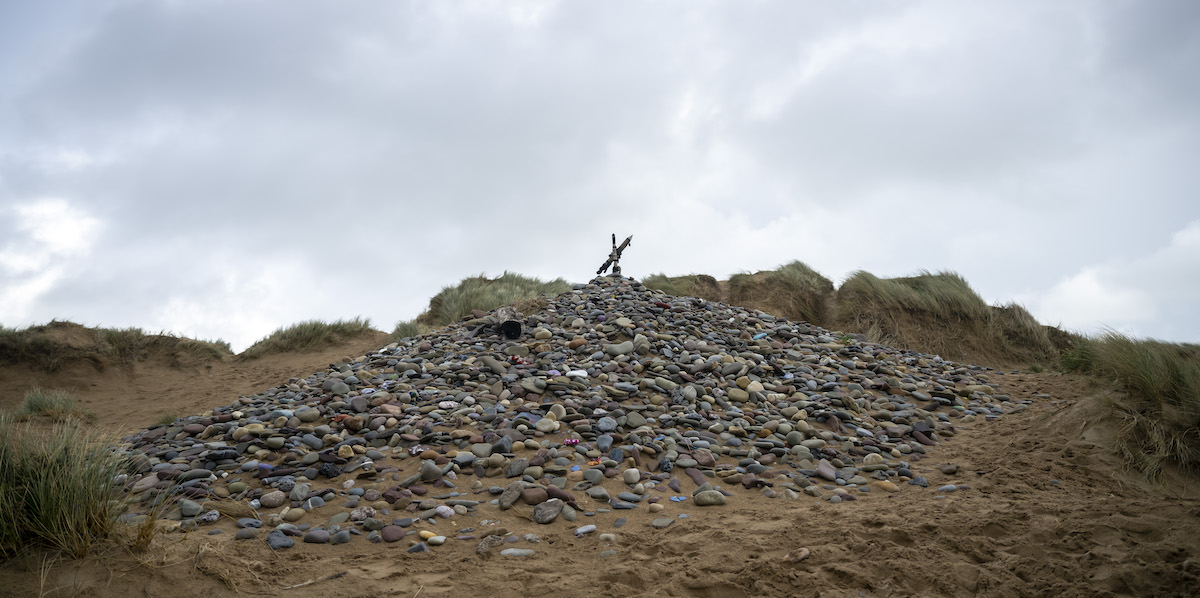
510 322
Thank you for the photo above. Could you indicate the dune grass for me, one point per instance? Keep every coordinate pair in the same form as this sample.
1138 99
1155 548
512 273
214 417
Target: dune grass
485 294
49 347
940 313
794 290
56 488
55 405
944 293
1160 412
688 285
406 329
310 335
167 419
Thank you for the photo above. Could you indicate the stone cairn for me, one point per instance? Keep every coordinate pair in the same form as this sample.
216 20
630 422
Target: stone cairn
613 397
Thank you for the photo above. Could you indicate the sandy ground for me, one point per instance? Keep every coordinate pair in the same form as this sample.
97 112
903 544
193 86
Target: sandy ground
1048 512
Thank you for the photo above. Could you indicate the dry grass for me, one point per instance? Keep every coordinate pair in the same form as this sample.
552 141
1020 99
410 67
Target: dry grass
54 405
407 329
50 347
940 313
1160 412
794 291
56 488
311 335
485 294
931 313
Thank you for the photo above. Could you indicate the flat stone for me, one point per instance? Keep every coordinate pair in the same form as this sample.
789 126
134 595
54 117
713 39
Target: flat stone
317 536
534 496
548 511
278 541
392 533
825 470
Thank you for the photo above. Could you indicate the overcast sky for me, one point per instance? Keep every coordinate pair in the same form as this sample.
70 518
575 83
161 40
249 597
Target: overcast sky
219 169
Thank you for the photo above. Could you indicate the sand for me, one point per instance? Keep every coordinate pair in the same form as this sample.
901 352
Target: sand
1049 512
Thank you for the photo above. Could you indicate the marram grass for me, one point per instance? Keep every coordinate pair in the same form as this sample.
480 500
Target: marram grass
310 335
406 329
56 405
1160 411
485 294
56 487
794 290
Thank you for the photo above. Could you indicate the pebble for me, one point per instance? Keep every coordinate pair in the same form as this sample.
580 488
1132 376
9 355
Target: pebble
278 541
317 536
517 552
709 498
701 389
548 511
392 533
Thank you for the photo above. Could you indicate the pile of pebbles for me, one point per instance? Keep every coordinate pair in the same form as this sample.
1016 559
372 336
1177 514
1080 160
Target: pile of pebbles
615 397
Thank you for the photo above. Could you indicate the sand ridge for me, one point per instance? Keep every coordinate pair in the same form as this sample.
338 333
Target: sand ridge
1048 512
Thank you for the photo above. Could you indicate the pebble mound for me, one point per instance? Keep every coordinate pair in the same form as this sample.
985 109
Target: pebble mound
669 399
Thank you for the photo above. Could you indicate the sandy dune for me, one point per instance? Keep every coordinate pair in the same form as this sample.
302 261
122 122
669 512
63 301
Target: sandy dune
1048 512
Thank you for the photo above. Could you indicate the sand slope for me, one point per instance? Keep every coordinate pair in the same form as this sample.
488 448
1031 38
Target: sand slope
1048 512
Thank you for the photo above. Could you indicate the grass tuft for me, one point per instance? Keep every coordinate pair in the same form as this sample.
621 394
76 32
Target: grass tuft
940 313
166 419
56 487
406 329
485 294
1160 412
793 290
56 405
305 336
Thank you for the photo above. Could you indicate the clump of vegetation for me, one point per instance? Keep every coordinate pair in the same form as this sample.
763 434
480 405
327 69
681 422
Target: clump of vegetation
485 294
406 329
310 335
1019 336
56 487
793 290
940 313
56 405
689 285
49 347
1160 411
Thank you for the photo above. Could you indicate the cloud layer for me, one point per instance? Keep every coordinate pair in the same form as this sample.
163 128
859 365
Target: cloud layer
240 166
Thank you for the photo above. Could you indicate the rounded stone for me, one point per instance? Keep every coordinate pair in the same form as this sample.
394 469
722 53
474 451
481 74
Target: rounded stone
392 533
272 500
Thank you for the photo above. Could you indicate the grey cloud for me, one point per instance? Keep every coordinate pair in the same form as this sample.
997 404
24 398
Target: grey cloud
1015 142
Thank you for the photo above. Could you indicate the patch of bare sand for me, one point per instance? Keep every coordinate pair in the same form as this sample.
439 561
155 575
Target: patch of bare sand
1048 512
133 397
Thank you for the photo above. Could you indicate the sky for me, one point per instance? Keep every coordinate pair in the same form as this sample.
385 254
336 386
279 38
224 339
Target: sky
219 169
